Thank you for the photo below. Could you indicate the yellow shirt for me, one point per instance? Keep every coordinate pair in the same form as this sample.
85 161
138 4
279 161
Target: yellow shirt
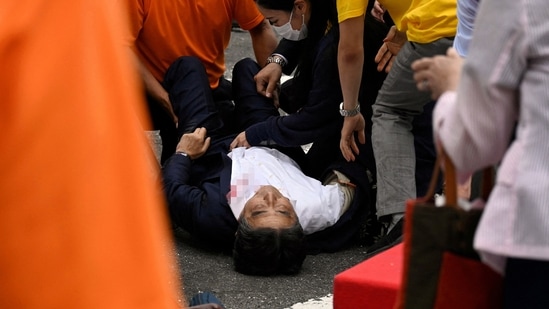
424 21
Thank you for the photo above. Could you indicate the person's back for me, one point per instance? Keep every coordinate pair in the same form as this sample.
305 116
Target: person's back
166 30
500 116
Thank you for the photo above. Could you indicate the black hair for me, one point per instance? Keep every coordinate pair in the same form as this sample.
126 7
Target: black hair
268 251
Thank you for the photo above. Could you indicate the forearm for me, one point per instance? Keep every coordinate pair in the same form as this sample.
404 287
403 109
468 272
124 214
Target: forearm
264 42
150 83
350 60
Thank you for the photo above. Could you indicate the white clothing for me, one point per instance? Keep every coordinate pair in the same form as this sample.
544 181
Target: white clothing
505 78
317 206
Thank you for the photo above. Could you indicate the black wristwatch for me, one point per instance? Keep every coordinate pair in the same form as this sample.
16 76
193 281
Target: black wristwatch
276 58
349 112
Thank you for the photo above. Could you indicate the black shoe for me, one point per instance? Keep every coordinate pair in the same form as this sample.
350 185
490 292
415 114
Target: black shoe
388 240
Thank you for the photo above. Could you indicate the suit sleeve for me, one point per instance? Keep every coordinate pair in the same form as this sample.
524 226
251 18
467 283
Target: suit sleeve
183 199
291 50
318 116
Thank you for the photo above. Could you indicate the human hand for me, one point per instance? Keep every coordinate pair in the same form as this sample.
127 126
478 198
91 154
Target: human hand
438 74
194 144
267 81
347 143
165 102
240 141
392 44
378 11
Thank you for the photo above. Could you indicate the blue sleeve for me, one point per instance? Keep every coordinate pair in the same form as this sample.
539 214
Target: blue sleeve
183 199
319 116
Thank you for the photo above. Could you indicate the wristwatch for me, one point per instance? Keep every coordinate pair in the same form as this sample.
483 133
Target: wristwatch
278 59
349 112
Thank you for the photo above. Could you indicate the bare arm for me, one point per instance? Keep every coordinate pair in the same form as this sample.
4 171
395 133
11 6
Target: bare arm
350 59
350 62
153 86
264 41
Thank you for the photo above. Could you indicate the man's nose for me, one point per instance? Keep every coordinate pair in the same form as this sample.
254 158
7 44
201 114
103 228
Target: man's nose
269 197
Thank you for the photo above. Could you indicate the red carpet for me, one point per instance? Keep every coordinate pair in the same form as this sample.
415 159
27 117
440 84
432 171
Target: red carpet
371 284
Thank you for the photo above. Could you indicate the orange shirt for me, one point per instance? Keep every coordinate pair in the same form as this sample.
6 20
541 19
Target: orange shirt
82 219
162 31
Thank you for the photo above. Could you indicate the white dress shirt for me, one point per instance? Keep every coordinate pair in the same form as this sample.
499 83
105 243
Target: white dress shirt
317 206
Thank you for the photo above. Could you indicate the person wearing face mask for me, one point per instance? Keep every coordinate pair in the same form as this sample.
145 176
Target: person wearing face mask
286 31
257 202
312 97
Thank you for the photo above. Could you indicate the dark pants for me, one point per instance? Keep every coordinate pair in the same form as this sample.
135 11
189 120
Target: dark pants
251 107
526 284
425 150
195 105
187 82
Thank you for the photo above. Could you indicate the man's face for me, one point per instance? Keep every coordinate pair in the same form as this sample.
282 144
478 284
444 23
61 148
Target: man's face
269 208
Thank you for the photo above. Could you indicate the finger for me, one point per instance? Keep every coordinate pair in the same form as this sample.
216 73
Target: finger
452 52
421 64
383 62
389 65
233 144
201 131
206 144
354 147
259 85
420 76
382 50
361 137
271 88
344 151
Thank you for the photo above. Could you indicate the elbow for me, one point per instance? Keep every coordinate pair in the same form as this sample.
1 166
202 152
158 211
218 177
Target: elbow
351 55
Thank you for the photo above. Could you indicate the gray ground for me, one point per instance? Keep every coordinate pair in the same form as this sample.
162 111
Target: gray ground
204 270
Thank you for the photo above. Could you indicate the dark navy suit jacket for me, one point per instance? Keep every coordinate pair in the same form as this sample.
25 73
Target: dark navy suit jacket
197 197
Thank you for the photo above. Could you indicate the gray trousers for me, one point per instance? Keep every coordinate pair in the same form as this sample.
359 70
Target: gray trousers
397 103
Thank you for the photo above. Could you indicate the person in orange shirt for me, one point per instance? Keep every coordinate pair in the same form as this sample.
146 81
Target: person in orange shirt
160 32
83 221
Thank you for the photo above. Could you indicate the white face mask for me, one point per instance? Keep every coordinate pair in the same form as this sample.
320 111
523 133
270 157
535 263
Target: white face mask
286 31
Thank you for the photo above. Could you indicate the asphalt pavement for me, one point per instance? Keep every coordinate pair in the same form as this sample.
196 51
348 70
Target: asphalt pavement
204 269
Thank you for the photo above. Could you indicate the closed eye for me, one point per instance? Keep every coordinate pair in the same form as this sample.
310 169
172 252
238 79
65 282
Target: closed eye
257 212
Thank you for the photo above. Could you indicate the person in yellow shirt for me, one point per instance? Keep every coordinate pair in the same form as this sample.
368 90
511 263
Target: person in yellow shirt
83 222
422 28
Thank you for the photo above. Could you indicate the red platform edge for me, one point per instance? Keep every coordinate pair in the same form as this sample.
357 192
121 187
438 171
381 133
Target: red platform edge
373 283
